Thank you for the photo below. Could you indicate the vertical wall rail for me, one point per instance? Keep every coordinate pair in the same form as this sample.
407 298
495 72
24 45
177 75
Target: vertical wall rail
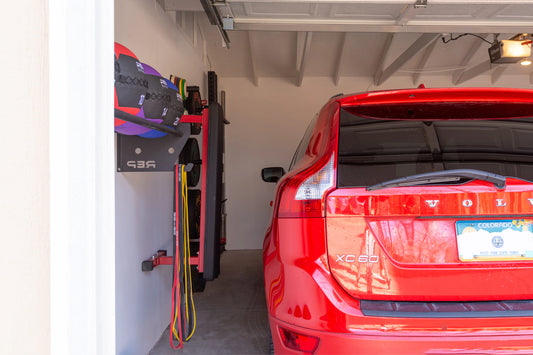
205 131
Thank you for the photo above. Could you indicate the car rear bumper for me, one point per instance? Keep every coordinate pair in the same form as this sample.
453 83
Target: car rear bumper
303 297
363 342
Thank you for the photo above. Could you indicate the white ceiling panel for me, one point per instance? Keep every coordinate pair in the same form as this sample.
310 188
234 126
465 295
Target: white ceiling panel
381 16
363 11
521 12
286 10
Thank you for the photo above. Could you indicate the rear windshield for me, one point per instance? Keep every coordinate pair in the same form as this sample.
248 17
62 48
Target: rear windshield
372 151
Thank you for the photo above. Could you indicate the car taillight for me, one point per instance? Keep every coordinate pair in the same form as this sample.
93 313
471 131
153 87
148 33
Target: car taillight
299 342
303 193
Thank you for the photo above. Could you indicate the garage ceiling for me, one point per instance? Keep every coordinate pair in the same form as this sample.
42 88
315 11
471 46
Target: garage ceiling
356 38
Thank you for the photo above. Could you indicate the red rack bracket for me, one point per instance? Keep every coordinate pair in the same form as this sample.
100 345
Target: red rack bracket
160 258
191 119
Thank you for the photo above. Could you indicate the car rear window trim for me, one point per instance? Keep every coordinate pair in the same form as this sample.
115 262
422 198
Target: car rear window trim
477 309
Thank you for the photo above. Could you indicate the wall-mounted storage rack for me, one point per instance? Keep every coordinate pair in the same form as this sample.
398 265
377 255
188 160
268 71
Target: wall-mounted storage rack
161 154
138 154
207 261
208 258
160 258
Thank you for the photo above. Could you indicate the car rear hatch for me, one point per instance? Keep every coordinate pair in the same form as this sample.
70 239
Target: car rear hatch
452 236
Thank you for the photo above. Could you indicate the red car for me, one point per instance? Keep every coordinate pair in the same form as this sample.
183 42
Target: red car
405 226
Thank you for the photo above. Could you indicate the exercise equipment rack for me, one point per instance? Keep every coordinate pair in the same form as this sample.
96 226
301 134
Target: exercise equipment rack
161 257
163 154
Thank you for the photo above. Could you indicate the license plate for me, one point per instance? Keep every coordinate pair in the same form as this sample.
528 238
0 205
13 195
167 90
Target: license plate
496 240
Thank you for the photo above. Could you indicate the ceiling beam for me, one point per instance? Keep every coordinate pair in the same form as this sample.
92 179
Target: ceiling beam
195 29
255 77
456 76
358 25
497 73
303 43
181 19
475 71
205 56
423 61
300 43
382 57
340 56
422 42
305 56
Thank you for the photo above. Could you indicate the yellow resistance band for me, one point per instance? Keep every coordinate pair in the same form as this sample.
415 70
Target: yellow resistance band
186 259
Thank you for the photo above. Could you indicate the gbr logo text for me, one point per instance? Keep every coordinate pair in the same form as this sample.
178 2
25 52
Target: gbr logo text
141 164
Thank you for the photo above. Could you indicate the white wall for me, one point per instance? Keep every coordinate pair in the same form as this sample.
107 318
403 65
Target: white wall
144 199
24 182
267 123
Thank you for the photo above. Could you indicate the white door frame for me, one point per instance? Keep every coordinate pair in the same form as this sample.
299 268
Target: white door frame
82 197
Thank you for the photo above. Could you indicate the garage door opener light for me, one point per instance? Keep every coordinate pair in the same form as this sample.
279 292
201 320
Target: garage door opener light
509 51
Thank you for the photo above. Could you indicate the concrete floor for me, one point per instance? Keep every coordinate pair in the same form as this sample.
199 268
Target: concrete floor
231 313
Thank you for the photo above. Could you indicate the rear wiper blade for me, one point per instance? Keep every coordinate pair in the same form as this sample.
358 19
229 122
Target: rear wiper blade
441 177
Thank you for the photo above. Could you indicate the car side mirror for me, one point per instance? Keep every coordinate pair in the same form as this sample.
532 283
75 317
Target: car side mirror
272 174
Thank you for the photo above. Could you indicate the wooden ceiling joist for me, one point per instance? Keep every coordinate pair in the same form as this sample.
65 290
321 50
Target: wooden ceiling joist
384 52
255 77
497 73
456 77
300 43
423 61
422 42
340 56
303 58
477 70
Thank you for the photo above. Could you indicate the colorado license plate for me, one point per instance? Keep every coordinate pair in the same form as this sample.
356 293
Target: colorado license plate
482 240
